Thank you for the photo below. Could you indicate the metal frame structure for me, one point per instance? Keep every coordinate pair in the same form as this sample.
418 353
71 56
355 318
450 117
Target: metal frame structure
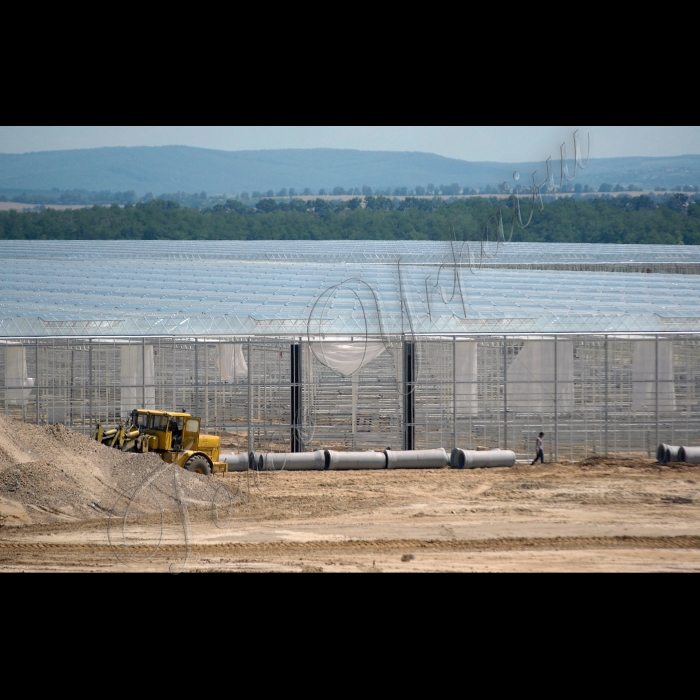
409 397
470 348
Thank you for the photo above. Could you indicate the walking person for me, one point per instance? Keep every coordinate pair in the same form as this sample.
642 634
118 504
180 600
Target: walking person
540 450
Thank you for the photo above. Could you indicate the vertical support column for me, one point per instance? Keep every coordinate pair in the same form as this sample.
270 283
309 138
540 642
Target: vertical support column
196 377
658 426
505 393
556 398
90 389
607 390
38 383
71 396
409 397
143 372
295 422
206 385
454 392
250 399
174 406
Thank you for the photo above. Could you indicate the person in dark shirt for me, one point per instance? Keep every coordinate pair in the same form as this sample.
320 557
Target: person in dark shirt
177 434
540 450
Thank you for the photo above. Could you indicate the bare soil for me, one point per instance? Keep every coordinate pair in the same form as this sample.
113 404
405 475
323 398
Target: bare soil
58 488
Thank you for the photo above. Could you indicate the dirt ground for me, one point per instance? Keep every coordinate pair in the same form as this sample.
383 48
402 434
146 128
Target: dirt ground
69 504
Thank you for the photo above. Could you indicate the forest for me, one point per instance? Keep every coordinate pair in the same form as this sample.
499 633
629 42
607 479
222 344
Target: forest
634 220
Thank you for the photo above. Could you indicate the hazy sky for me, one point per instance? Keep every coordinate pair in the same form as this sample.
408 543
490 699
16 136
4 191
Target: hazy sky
475 143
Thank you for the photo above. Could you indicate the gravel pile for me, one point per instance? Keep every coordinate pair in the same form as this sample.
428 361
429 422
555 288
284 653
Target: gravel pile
58 474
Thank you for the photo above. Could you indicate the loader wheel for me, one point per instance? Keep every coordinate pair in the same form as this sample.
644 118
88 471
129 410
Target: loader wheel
198 465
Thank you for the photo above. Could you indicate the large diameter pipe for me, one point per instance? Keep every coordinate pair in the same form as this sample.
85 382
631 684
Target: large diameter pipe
689 455
417 459
667 453
236 463
295 462
469 459
256 461
338 461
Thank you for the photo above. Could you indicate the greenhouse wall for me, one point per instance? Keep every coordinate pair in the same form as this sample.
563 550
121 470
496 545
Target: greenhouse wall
591 394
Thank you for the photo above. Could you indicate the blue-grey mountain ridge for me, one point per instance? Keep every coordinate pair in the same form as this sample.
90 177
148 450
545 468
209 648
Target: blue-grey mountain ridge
171 169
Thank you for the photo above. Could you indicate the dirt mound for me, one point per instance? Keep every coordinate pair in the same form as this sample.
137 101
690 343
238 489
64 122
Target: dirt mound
603 462
50 473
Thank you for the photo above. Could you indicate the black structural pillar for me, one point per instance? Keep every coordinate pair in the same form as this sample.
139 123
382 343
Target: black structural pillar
295 361
409 396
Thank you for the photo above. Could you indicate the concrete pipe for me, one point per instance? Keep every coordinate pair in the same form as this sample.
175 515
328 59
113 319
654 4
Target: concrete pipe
236 463
338 461
689 455
297 462
418 459
469 459
256 461
667 453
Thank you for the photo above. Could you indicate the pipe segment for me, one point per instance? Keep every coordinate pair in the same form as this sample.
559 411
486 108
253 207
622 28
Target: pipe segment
667 453
340 461
469 459
689 455
236 463
294 462
416 459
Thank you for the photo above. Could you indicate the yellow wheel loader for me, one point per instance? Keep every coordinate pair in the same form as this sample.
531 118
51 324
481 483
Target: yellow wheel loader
174 436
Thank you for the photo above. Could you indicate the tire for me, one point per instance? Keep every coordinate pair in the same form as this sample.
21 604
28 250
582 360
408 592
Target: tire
198 465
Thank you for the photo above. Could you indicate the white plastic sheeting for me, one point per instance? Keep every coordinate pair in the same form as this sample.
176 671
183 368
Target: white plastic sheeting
138 376
644 376
532 379
231 362
347 358
466 378
17 383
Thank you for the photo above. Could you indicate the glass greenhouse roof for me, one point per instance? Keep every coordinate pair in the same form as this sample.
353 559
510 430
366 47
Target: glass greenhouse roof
361 252
205 289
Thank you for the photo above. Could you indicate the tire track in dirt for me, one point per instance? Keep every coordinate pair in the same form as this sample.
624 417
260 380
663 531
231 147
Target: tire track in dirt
270 548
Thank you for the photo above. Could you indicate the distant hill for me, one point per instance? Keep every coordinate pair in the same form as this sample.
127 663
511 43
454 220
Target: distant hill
185 169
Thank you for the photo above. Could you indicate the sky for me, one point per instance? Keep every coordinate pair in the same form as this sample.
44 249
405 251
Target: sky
510 144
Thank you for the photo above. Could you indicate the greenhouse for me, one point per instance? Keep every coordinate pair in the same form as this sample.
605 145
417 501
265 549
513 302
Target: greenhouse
297 346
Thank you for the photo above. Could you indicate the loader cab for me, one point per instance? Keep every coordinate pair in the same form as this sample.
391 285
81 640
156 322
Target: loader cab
177 432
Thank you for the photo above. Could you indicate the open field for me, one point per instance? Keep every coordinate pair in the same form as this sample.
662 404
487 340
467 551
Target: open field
57 488
15 206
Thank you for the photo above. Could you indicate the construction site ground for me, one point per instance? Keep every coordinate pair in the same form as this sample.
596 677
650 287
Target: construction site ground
69 504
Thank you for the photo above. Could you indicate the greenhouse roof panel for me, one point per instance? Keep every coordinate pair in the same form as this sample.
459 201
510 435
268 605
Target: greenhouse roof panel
353 252
68 288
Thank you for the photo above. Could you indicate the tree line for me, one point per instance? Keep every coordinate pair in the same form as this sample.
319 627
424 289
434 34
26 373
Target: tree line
674 220
201 200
